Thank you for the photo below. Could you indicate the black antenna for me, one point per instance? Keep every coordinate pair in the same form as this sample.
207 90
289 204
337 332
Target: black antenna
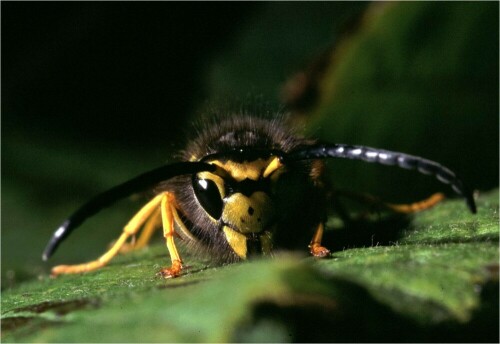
385 157
105 199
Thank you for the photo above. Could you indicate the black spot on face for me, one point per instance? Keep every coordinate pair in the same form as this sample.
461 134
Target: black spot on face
250 211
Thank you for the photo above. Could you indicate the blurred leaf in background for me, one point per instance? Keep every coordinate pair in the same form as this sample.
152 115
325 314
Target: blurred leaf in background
419 78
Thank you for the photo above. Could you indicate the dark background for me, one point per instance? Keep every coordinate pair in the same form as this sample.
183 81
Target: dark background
109 72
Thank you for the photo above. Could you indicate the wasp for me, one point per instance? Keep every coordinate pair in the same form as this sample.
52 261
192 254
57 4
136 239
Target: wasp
245 185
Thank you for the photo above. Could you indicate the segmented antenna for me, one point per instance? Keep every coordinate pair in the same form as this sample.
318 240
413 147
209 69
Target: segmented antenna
385 157
105 199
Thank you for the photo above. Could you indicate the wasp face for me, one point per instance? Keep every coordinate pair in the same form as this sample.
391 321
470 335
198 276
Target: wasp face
238 199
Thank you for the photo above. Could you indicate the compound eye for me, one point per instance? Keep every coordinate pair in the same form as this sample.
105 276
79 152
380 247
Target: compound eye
208 195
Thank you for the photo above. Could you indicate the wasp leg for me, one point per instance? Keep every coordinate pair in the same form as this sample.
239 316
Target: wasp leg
130 229
167 214
315 246
399 208
149 228
417 206
151 225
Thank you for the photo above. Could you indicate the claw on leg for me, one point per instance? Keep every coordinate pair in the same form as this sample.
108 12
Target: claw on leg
171 272
315 246
319 251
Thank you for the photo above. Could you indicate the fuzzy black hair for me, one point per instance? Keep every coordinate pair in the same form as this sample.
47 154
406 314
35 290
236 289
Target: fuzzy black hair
226 133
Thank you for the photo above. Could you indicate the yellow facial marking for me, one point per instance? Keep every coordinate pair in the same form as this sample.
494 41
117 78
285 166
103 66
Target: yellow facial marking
248 214
273 166
237 241
252 170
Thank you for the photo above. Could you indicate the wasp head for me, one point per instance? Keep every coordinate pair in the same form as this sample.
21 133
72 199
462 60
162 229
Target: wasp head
238 197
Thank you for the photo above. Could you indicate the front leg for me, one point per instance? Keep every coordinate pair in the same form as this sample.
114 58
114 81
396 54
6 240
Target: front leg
167 216
315 246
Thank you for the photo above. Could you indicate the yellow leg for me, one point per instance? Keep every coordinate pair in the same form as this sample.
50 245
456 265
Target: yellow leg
315 246
167 215
417 206
130 229
148 230
399 208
